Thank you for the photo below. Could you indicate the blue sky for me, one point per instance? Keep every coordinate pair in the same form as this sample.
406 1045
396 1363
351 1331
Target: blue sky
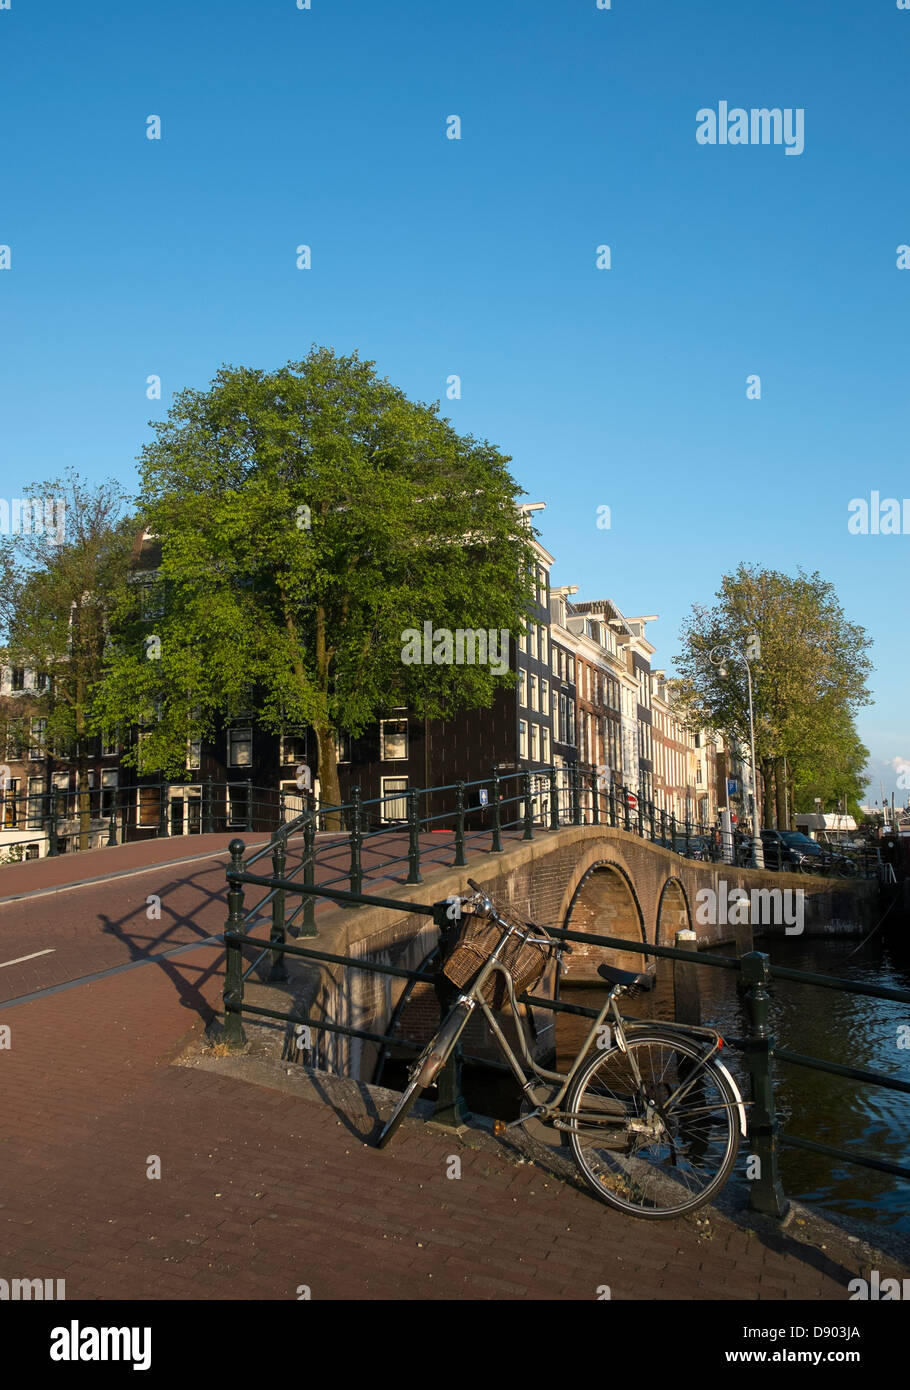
476 257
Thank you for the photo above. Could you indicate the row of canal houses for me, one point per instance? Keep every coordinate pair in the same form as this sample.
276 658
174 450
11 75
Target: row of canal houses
587 694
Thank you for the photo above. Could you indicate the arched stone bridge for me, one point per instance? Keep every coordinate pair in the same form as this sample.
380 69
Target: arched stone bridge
583 878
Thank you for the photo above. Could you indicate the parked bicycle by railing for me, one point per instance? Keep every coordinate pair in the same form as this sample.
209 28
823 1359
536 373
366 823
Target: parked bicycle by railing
653 1117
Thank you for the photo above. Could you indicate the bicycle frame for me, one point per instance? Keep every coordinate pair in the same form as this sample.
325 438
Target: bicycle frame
550 1110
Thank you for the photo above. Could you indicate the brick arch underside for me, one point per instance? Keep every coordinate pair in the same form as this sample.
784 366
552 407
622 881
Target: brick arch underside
673 912
605 903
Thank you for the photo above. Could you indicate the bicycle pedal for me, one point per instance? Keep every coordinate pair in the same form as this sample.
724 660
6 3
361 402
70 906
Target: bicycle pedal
500 1126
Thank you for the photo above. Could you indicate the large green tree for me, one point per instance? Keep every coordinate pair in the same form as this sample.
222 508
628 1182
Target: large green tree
55 588
809 666
307 518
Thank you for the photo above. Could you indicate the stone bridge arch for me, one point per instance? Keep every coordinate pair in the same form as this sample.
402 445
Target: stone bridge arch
673 912
602 900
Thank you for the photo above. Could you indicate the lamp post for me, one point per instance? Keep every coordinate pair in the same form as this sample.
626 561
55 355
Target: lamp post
719 657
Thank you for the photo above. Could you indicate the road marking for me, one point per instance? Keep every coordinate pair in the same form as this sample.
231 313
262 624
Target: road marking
115 970
19 959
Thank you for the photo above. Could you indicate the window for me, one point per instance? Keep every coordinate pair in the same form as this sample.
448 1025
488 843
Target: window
555 651
545 745
193 754
42 683
535 743
563 719
151 598
37 739
393 741
523 687
240 747
535 704
148 806
293 748
394 798
145 753
522 738
110 743
291 800
36 808
17 678
343 748
533 639
544 640
9 802
570 722
239 804
522 641
571 669
544 696
109 784
16 739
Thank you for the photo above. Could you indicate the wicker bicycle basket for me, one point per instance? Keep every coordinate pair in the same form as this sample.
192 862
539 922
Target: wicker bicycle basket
525 961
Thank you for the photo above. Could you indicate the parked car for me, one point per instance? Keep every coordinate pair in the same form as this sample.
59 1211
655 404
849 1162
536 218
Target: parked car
698 846
794 852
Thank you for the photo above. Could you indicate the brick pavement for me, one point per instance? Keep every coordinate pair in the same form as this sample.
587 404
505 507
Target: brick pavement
263 1191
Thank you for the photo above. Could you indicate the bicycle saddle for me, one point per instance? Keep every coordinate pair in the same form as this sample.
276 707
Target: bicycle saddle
625 977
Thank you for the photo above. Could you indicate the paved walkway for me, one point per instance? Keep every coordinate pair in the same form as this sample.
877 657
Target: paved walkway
263 1191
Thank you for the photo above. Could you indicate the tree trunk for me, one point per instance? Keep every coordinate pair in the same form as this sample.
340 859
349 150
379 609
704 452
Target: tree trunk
780 782
84 802
329 788
767 796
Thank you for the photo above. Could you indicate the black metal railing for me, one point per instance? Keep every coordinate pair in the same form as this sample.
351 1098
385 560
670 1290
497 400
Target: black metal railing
754 968
69 819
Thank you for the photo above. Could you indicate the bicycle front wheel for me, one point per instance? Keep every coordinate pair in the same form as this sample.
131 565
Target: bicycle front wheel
638 1149
425 1070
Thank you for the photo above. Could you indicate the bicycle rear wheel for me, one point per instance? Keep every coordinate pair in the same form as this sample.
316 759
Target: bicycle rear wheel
638 1152
425 1070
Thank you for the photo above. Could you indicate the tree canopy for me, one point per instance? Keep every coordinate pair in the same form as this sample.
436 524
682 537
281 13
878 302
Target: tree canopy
307 517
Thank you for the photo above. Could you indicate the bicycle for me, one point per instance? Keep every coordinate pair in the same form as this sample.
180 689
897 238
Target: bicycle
653 1118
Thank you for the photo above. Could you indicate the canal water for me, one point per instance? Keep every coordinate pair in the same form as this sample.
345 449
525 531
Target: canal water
853 1030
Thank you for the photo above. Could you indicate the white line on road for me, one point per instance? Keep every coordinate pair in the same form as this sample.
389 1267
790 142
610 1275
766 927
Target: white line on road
19 959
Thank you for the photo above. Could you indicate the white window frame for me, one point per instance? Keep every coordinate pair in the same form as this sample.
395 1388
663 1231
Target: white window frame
387 806
384 755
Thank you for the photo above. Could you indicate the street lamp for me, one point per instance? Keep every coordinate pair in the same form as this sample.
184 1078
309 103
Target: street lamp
719 656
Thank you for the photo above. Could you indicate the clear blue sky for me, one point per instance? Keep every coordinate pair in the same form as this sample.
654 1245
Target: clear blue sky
476 257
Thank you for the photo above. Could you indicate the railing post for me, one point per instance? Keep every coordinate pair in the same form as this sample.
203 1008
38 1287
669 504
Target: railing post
112 829
686 992
673 831
232 997
640 815
496 844
653 822
309 875
413 838
595 793
460 860
450 1108
162 809
249 805
554 800
688 846
277 934
207 807
628 809
612 804
767 1193
576 798
529 823
356 840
